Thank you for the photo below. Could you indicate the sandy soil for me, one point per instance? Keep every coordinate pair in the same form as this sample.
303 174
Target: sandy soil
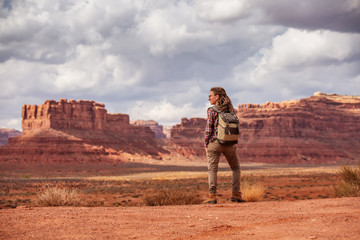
335 218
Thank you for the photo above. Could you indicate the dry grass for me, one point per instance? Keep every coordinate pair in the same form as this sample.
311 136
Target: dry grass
253 171
252 192
58 197
349 185
152 176
282 183
172 197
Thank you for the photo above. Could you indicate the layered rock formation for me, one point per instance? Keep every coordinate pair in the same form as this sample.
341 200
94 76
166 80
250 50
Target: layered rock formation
187 138
154 126
323 128
167 131
77 131
6 133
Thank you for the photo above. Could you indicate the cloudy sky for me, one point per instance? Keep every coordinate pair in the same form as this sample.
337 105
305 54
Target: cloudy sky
157 59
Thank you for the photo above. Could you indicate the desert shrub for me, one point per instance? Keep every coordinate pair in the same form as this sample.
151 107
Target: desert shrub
349 185
172 197
58 197
252 191
26 176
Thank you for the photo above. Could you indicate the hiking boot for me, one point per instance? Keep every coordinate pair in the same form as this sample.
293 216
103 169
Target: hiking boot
236 197
211 199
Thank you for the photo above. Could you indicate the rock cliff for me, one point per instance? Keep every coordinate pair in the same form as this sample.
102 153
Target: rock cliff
323 128
77 131
75 115
154 126
187 138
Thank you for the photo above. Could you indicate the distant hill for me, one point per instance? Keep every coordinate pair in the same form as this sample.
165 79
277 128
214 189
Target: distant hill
6 133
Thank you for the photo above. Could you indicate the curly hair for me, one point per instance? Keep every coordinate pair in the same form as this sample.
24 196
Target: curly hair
224 101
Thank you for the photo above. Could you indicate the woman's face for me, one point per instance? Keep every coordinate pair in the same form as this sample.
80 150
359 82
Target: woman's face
213 98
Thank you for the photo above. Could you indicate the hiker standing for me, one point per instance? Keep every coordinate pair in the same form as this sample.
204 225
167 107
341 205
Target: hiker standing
215 146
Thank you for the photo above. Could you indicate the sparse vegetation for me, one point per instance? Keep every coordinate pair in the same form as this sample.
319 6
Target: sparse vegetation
19 191
349 185
26 176
56 196
172 197
252 192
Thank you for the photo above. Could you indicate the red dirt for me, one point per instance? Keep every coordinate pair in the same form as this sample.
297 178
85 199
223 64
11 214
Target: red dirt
336 218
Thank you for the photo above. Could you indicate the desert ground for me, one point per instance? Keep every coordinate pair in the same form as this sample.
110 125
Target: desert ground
298 203
333 218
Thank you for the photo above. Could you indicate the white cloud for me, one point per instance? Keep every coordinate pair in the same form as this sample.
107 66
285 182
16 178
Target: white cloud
165 112
173 30
222 11
22 24
14 123
164 55
22 78
301 48
301 62
94 68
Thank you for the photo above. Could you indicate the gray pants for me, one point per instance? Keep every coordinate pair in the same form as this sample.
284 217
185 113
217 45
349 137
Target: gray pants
214 150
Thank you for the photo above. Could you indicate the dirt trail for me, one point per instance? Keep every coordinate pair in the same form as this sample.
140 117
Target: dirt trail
309 219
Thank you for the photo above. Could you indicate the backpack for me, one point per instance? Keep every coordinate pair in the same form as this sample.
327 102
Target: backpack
228 127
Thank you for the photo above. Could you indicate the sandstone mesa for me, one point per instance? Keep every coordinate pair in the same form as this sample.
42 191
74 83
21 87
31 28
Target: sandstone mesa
77 131
323 128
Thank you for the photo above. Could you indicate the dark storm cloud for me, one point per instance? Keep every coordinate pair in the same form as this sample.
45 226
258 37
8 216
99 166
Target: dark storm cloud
335 15
7 4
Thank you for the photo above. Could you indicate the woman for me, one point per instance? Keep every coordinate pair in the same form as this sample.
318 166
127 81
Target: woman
214 148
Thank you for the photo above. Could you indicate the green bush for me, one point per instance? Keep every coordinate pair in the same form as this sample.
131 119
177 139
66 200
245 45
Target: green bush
349 185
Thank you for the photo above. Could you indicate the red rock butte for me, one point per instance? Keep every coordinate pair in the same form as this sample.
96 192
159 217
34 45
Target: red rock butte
321 129
64 115
187 138
154 126
77 131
